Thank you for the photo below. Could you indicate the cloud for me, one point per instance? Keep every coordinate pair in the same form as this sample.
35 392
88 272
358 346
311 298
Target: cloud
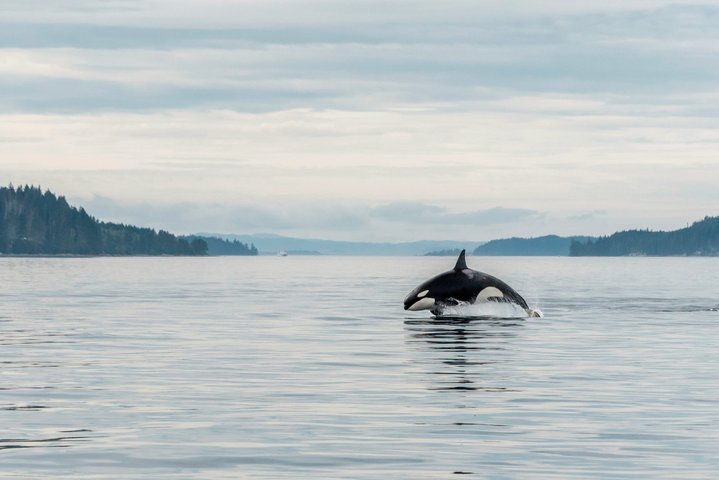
454 59
243 218
352 219
589 215
491 216
285 13
409 212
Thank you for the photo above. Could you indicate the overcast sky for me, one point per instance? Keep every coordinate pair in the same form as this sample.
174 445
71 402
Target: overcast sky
368 120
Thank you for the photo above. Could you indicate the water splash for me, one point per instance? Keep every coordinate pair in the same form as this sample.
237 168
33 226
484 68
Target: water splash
487 310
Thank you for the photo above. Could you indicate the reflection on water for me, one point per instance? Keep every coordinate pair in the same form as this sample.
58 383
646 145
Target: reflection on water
456 351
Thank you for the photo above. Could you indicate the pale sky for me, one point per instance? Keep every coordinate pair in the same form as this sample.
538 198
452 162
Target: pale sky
366 120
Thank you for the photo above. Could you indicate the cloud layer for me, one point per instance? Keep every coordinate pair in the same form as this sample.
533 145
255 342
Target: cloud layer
429 56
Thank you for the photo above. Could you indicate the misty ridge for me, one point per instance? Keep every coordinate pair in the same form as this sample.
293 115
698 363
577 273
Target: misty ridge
33 222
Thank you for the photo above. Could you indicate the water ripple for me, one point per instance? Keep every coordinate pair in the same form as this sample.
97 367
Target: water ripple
309 368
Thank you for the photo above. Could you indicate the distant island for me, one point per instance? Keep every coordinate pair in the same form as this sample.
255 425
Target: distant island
548 245
33 222
447 252
699 239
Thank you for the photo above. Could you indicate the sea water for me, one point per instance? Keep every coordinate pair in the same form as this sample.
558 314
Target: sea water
308 367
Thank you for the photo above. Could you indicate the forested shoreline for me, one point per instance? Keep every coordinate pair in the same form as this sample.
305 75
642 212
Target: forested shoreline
699 239
33 222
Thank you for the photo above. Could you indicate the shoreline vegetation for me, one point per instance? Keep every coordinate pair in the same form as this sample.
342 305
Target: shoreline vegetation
37 223
700 239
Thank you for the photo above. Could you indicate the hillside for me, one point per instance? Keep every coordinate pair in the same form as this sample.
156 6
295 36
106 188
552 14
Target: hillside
37 223
699 239
549 245
271 244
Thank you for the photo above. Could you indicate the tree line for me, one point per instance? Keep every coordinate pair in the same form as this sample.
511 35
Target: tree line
699 239
34 222
220 246
548 245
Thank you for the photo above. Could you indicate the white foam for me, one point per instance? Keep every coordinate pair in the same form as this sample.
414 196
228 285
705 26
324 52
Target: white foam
535 312
486 309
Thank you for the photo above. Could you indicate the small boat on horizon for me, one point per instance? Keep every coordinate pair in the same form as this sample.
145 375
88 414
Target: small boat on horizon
281 253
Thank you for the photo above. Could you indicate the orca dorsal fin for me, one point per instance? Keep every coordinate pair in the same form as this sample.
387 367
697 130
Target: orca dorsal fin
461 263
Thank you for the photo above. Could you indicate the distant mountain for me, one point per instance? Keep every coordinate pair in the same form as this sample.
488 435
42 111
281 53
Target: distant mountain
448 252
271 244
37 223
699 239
549 245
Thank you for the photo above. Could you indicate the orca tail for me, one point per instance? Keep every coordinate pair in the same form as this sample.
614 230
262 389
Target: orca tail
461 263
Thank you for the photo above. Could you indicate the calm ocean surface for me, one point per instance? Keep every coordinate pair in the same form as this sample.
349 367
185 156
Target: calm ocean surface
308 367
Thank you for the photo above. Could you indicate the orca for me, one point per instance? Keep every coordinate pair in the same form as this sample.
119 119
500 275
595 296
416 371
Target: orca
462 285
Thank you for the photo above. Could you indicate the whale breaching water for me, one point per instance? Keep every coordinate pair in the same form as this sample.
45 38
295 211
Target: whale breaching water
462 285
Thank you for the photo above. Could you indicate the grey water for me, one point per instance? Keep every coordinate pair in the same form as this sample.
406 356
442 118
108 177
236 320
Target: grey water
308 367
